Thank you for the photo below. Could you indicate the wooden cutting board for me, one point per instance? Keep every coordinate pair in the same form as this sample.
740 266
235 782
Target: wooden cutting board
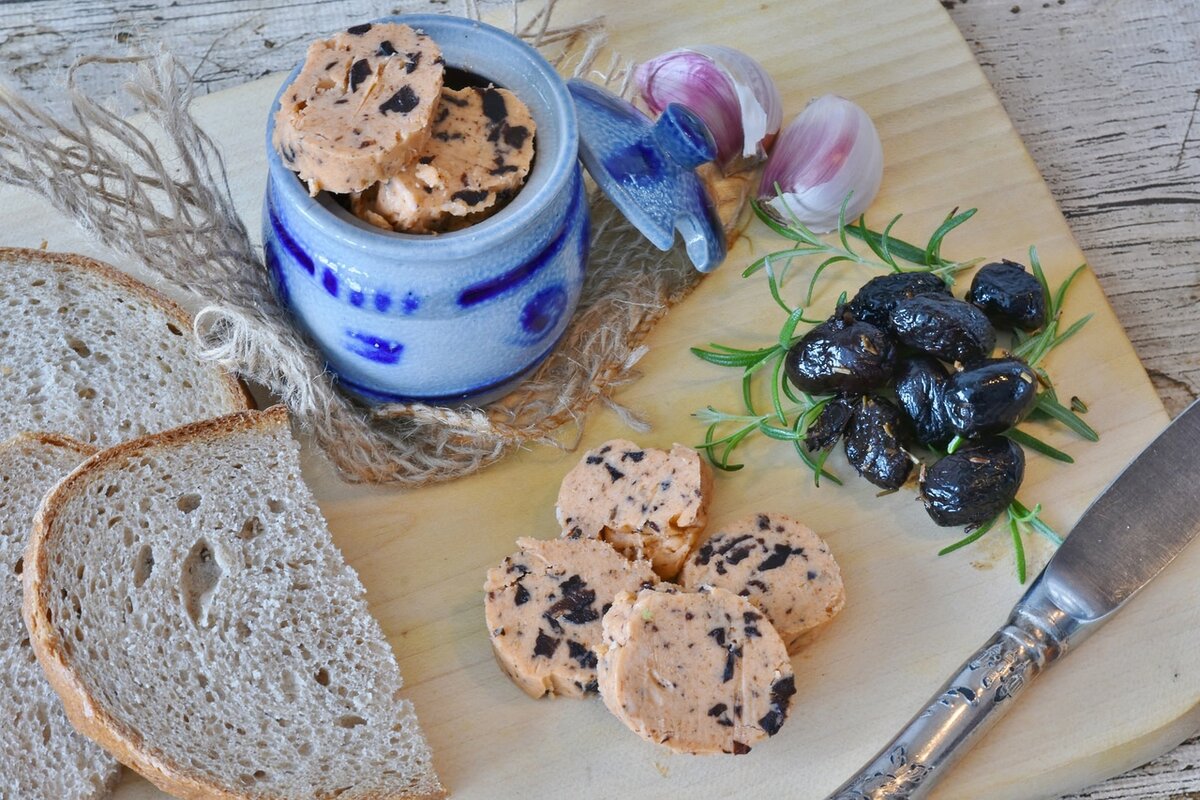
1131 693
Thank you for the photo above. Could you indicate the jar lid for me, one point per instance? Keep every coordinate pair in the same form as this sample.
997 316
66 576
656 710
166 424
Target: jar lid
648 169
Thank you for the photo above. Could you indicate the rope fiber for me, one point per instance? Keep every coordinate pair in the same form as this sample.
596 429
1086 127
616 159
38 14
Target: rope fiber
157 193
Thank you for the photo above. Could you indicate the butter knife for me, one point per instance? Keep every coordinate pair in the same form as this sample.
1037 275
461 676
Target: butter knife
1125 538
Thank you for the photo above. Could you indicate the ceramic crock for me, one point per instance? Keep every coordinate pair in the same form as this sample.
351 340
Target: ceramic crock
463 316
449 317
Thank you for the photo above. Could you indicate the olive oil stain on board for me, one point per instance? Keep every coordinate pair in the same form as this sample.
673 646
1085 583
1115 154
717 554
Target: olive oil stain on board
995 550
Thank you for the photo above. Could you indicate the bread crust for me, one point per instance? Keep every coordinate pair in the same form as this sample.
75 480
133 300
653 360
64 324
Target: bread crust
83 711
238 394
50 440
85 450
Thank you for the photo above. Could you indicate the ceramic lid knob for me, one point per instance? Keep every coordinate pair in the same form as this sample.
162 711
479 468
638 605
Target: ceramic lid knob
684 137
647 170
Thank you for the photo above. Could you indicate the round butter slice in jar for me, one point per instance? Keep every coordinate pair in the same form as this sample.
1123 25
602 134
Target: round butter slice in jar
361 107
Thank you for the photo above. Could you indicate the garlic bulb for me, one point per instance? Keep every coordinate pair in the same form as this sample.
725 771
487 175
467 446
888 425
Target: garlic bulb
726 88
828 151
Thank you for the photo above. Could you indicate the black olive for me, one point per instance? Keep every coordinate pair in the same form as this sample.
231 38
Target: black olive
920 384
841 355
990 397
974 484
878 296
1010 296
874 443
830 424
943 326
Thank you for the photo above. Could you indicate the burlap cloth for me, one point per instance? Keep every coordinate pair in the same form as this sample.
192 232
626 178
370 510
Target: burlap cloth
162 199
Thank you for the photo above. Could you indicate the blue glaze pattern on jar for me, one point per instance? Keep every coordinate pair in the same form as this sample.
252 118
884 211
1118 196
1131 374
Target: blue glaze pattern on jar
451 317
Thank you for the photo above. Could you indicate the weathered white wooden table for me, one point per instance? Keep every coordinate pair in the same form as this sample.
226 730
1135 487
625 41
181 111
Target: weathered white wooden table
1105 94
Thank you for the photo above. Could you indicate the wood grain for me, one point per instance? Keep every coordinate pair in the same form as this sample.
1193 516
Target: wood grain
1099 91
1105 96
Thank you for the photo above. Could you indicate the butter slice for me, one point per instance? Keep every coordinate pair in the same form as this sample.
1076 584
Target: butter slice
361 107
478 154
544 604
700 672
645 502
779 565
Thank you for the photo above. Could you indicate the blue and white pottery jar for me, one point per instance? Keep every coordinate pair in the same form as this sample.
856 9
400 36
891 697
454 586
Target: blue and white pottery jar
452 317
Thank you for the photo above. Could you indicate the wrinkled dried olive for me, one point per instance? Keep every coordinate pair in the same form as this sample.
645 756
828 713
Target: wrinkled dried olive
943 326
990 397
878 296
1010 296
920 384
875 443
974 484
841 355
830 424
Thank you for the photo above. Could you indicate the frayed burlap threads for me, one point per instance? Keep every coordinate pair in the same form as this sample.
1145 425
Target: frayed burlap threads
165 203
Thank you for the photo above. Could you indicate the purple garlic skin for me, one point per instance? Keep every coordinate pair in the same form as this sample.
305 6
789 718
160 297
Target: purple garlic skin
828 153
729 90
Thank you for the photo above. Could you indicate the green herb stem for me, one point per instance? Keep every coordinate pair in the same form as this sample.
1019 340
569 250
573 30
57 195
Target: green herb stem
970 538
1048 405
1017 518
1034 520
883 245
1033 443
1018 548
791 412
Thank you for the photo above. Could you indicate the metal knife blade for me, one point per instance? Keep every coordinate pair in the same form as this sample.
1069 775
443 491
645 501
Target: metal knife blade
1127 536
1134 528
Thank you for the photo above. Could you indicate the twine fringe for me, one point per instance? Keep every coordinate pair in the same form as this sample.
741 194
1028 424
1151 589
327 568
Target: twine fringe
159 195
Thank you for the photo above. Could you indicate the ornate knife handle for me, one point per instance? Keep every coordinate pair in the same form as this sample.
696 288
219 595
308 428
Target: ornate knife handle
1037 634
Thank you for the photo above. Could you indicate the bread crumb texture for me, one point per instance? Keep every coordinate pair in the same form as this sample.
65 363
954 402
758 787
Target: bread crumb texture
92 354
41 755
207 610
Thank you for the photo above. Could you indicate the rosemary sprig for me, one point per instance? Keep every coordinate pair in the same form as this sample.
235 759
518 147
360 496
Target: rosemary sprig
882 244
1033 443
724 356
720 449
971 537
1018 518
1018 547
1034 521
1048 405
791 413
1034 347
805 407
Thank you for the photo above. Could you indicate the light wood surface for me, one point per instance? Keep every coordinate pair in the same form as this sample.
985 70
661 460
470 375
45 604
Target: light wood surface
1105 95
1081 723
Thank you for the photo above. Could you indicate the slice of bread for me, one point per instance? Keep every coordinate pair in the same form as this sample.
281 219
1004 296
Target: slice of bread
41 755
88 352
186 601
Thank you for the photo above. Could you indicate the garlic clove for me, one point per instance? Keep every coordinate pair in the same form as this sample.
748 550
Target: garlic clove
726 88
762 107
830 150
